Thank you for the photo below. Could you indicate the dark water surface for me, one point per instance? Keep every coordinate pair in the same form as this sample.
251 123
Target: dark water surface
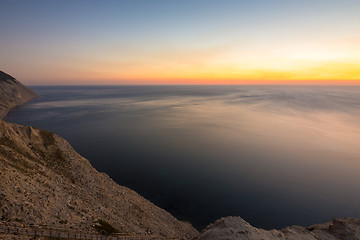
275 156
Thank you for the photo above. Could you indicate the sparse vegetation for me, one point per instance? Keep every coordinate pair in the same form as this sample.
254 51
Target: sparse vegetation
105 228
48 138
63 221
14 155
6 142
54 156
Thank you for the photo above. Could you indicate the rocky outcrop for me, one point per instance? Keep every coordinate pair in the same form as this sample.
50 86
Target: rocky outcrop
12 93
238 229
43 180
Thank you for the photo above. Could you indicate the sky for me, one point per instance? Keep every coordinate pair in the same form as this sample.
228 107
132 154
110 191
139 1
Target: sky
82 42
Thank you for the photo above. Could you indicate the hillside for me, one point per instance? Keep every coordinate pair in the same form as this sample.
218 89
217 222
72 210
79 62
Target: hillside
12 93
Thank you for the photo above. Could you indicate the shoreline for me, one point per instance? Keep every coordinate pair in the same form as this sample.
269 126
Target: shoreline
62 189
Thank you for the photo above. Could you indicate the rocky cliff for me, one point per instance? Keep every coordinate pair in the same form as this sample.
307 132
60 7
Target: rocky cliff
43 180
237 229
12 93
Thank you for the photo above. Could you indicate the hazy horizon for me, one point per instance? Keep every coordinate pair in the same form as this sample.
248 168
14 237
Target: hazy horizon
181 42
238 84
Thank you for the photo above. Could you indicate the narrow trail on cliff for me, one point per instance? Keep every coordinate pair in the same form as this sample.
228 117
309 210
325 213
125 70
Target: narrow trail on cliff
51 232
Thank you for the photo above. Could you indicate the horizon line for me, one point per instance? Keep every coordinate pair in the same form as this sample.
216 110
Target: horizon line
273 84
156 82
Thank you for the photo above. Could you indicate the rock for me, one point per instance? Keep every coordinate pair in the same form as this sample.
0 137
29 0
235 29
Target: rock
236 228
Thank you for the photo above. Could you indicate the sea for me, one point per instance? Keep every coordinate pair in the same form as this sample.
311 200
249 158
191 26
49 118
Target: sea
274 155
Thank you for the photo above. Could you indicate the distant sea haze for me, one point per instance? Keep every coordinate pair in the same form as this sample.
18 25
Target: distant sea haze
274 155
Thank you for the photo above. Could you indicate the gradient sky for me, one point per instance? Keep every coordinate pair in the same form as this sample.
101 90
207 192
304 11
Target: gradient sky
180 42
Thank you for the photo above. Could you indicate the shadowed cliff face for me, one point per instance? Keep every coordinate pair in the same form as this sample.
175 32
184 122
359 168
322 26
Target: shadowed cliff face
43 180
12 93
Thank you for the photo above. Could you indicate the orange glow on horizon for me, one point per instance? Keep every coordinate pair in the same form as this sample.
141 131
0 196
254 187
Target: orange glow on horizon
213 65
325 74
228 82
237 42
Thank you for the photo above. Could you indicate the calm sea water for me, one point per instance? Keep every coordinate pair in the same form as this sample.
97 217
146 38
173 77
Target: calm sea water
275 156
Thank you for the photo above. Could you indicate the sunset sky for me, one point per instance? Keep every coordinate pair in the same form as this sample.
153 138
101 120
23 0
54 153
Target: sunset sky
64 42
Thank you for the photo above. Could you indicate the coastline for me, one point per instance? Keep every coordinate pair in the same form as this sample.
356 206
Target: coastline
44 180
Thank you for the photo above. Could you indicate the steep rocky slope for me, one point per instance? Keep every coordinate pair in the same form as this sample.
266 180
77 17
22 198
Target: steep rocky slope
238 229
12 93
43 180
